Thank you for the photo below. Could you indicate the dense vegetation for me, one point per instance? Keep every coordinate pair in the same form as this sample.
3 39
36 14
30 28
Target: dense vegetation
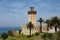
37 36
52 22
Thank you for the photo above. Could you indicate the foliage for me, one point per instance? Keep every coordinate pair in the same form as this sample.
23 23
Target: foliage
20 31
55 22
46 36
11 38
10 33
36 33
49 36
30 26
48 24
42 36
4 36
58 34
29 36
40 20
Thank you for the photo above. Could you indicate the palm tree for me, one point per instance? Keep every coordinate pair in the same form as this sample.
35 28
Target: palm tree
55 22
4 36
30 26
56 25
59 25
48 24
40 20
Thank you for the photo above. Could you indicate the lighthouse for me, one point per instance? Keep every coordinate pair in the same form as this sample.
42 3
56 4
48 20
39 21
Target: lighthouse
32 19
32 16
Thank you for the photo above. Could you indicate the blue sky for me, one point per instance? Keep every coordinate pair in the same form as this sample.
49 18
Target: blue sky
14 12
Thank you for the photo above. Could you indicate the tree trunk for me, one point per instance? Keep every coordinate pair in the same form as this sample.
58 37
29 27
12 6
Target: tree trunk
40 27
30 31
48 28
55 29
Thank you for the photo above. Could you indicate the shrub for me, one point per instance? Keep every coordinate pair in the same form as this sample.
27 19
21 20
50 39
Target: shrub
10 33
36 33
29 36
4 36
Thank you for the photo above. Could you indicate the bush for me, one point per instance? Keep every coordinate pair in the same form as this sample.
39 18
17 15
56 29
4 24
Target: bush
36 33
4 36
10 33
29 36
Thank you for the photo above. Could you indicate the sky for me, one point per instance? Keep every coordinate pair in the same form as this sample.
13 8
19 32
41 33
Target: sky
15 12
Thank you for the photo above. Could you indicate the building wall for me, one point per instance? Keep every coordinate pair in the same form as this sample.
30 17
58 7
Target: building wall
32 18
26 31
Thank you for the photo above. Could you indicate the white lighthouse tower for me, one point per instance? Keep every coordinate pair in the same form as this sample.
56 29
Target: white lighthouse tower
32 16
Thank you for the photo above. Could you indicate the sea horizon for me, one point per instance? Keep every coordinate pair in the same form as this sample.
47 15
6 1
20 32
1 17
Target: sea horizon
6 29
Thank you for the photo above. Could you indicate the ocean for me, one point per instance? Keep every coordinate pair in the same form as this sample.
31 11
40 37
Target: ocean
6 29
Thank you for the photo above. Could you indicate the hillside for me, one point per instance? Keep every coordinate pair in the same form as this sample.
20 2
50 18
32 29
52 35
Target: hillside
41 36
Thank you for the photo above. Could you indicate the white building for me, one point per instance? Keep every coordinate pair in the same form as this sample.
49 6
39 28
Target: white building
31 18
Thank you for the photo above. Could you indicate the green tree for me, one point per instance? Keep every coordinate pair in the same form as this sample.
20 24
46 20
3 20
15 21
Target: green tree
48 24
56 25
4 36
40 20
30 26
54 22
10 33
20 31
59 25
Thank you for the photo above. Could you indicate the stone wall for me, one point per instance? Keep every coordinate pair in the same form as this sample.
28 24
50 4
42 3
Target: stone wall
26 31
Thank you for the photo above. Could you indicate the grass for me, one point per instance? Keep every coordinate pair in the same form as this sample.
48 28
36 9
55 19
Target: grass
24 37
